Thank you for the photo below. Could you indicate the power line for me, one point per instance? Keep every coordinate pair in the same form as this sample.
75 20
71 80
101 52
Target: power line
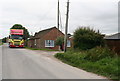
60 21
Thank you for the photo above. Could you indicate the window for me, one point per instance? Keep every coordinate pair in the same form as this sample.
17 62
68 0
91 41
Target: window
35 42
49 43
16 37
68 43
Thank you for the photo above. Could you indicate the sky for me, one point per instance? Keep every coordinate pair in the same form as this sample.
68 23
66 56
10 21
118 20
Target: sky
37 15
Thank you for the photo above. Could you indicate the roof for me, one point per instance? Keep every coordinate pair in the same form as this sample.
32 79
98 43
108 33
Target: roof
114 36
42 33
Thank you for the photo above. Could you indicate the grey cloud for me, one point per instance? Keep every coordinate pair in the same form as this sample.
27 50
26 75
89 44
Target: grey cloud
37 14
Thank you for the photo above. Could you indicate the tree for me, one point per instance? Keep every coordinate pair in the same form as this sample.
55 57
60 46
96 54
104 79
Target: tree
4 40
19 26
59 42
85 38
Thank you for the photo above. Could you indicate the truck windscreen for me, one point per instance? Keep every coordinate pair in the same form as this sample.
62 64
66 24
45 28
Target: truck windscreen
16 37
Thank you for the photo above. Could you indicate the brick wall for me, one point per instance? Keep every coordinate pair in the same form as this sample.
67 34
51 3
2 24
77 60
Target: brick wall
30 43
52 35
40 39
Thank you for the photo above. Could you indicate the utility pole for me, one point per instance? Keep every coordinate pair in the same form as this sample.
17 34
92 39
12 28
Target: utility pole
58 16
31 33
39 29
66 28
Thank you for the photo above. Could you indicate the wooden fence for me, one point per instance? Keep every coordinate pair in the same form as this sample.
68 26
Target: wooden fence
114 44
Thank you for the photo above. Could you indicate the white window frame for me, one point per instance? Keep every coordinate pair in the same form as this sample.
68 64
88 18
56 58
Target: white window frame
35 42
50 45
68 43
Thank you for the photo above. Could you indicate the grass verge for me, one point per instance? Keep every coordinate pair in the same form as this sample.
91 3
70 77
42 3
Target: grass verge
1 44
41 49
106 66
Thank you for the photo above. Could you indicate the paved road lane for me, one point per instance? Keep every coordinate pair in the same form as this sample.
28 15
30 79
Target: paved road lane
19 63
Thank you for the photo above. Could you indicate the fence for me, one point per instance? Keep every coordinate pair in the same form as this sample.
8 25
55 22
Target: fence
114 44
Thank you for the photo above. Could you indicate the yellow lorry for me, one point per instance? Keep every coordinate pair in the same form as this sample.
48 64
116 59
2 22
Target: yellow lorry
16 38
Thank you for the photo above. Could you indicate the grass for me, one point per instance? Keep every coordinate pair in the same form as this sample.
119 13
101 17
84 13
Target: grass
106 66
41 49
1 44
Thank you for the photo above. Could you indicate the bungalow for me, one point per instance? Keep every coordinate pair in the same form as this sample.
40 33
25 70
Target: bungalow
113 42
46 39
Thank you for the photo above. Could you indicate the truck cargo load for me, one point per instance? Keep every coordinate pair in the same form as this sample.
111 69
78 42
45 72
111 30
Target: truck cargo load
16 32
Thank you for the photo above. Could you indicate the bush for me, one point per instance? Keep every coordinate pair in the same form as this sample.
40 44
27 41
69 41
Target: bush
59 41
4 40
98 53
85 38
106 63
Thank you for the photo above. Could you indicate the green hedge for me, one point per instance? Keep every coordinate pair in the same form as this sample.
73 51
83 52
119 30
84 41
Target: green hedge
105 65
86 38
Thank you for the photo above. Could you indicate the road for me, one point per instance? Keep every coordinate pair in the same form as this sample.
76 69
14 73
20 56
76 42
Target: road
20 63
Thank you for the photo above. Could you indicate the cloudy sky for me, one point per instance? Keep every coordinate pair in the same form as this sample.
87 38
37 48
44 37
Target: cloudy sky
37 15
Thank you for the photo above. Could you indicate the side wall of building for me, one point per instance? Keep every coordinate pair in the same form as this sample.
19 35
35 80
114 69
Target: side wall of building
38 41
52 35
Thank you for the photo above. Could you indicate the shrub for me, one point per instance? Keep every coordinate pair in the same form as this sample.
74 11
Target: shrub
106 64
85 38
59 42
98 53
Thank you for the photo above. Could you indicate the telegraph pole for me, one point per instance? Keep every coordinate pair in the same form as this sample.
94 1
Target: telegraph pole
58 16
66 28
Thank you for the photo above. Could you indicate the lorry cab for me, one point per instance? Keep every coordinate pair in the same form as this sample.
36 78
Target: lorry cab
16 38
